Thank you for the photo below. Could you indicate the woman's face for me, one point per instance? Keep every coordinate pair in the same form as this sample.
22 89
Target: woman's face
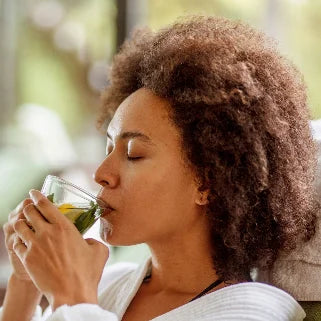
144 177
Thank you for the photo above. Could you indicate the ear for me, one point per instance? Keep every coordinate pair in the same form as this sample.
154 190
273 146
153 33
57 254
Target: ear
202 197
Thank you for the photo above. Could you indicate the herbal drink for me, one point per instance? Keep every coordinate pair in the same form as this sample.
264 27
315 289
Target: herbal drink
78 205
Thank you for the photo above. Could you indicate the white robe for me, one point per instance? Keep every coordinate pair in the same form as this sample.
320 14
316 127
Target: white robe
251 301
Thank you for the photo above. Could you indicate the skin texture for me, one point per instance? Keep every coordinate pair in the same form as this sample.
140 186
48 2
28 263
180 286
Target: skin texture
10 235
66 258
156 197
22 296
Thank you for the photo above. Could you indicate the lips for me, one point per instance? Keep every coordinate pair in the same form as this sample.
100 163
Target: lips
107 208
107 211
103 203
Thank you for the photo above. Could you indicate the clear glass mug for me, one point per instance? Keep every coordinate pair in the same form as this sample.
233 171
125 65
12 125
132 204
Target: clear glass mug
78 205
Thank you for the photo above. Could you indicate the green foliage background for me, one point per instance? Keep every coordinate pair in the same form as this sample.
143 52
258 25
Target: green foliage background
58 80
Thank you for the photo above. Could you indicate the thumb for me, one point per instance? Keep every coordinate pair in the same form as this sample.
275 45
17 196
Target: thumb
91 241
99 246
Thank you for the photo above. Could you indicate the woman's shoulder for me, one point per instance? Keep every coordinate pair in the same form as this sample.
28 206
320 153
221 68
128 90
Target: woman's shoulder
243 301
266 301
250 289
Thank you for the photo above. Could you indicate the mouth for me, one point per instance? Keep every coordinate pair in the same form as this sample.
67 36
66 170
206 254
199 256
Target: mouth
107 210
103 204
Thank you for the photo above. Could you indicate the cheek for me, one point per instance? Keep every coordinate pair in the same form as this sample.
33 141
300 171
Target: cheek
143 194
156 202
157 192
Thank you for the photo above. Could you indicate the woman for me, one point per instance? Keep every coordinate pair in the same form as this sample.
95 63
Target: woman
209 161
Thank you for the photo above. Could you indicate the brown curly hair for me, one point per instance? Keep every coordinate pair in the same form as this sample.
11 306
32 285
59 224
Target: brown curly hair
242 113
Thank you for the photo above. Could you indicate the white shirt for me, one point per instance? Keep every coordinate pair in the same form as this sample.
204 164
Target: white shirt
251 301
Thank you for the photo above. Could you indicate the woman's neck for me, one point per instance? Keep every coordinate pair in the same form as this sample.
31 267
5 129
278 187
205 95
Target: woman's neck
183 265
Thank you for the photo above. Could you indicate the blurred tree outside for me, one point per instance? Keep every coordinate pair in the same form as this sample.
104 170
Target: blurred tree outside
55 63
50 60
7 62
302 28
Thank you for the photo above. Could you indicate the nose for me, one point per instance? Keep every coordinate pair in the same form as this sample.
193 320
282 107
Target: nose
105 176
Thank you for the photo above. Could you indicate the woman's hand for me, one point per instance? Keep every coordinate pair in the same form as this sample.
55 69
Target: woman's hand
18 269
63 266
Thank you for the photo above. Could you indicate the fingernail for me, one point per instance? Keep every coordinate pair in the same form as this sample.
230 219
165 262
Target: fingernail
35 196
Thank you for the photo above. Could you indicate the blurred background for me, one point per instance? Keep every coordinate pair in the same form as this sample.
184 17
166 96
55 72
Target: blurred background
54 58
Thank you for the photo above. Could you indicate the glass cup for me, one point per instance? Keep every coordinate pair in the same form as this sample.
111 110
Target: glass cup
79 206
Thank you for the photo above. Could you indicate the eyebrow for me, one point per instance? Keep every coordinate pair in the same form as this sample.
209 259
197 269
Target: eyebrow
138 135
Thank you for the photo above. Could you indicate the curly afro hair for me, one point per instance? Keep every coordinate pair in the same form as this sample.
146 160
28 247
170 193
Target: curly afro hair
242 113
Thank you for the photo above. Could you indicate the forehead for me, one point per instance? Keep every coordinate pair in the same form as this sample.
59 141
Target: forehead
144 112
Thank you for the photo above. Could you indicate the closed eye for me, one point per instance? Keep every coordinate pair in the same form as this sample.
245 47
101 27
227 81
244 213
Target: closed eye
133 158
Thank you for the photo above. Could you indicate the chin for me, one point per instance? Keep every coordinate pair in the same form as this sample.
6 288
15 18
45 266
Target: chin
105 230
111 237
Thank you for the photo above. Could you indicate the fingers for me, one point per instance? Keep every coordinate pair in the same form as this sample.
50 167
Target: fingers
34 217
8 229
23 232
99 247
25 203
48 210
17 212
9 235
19 247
